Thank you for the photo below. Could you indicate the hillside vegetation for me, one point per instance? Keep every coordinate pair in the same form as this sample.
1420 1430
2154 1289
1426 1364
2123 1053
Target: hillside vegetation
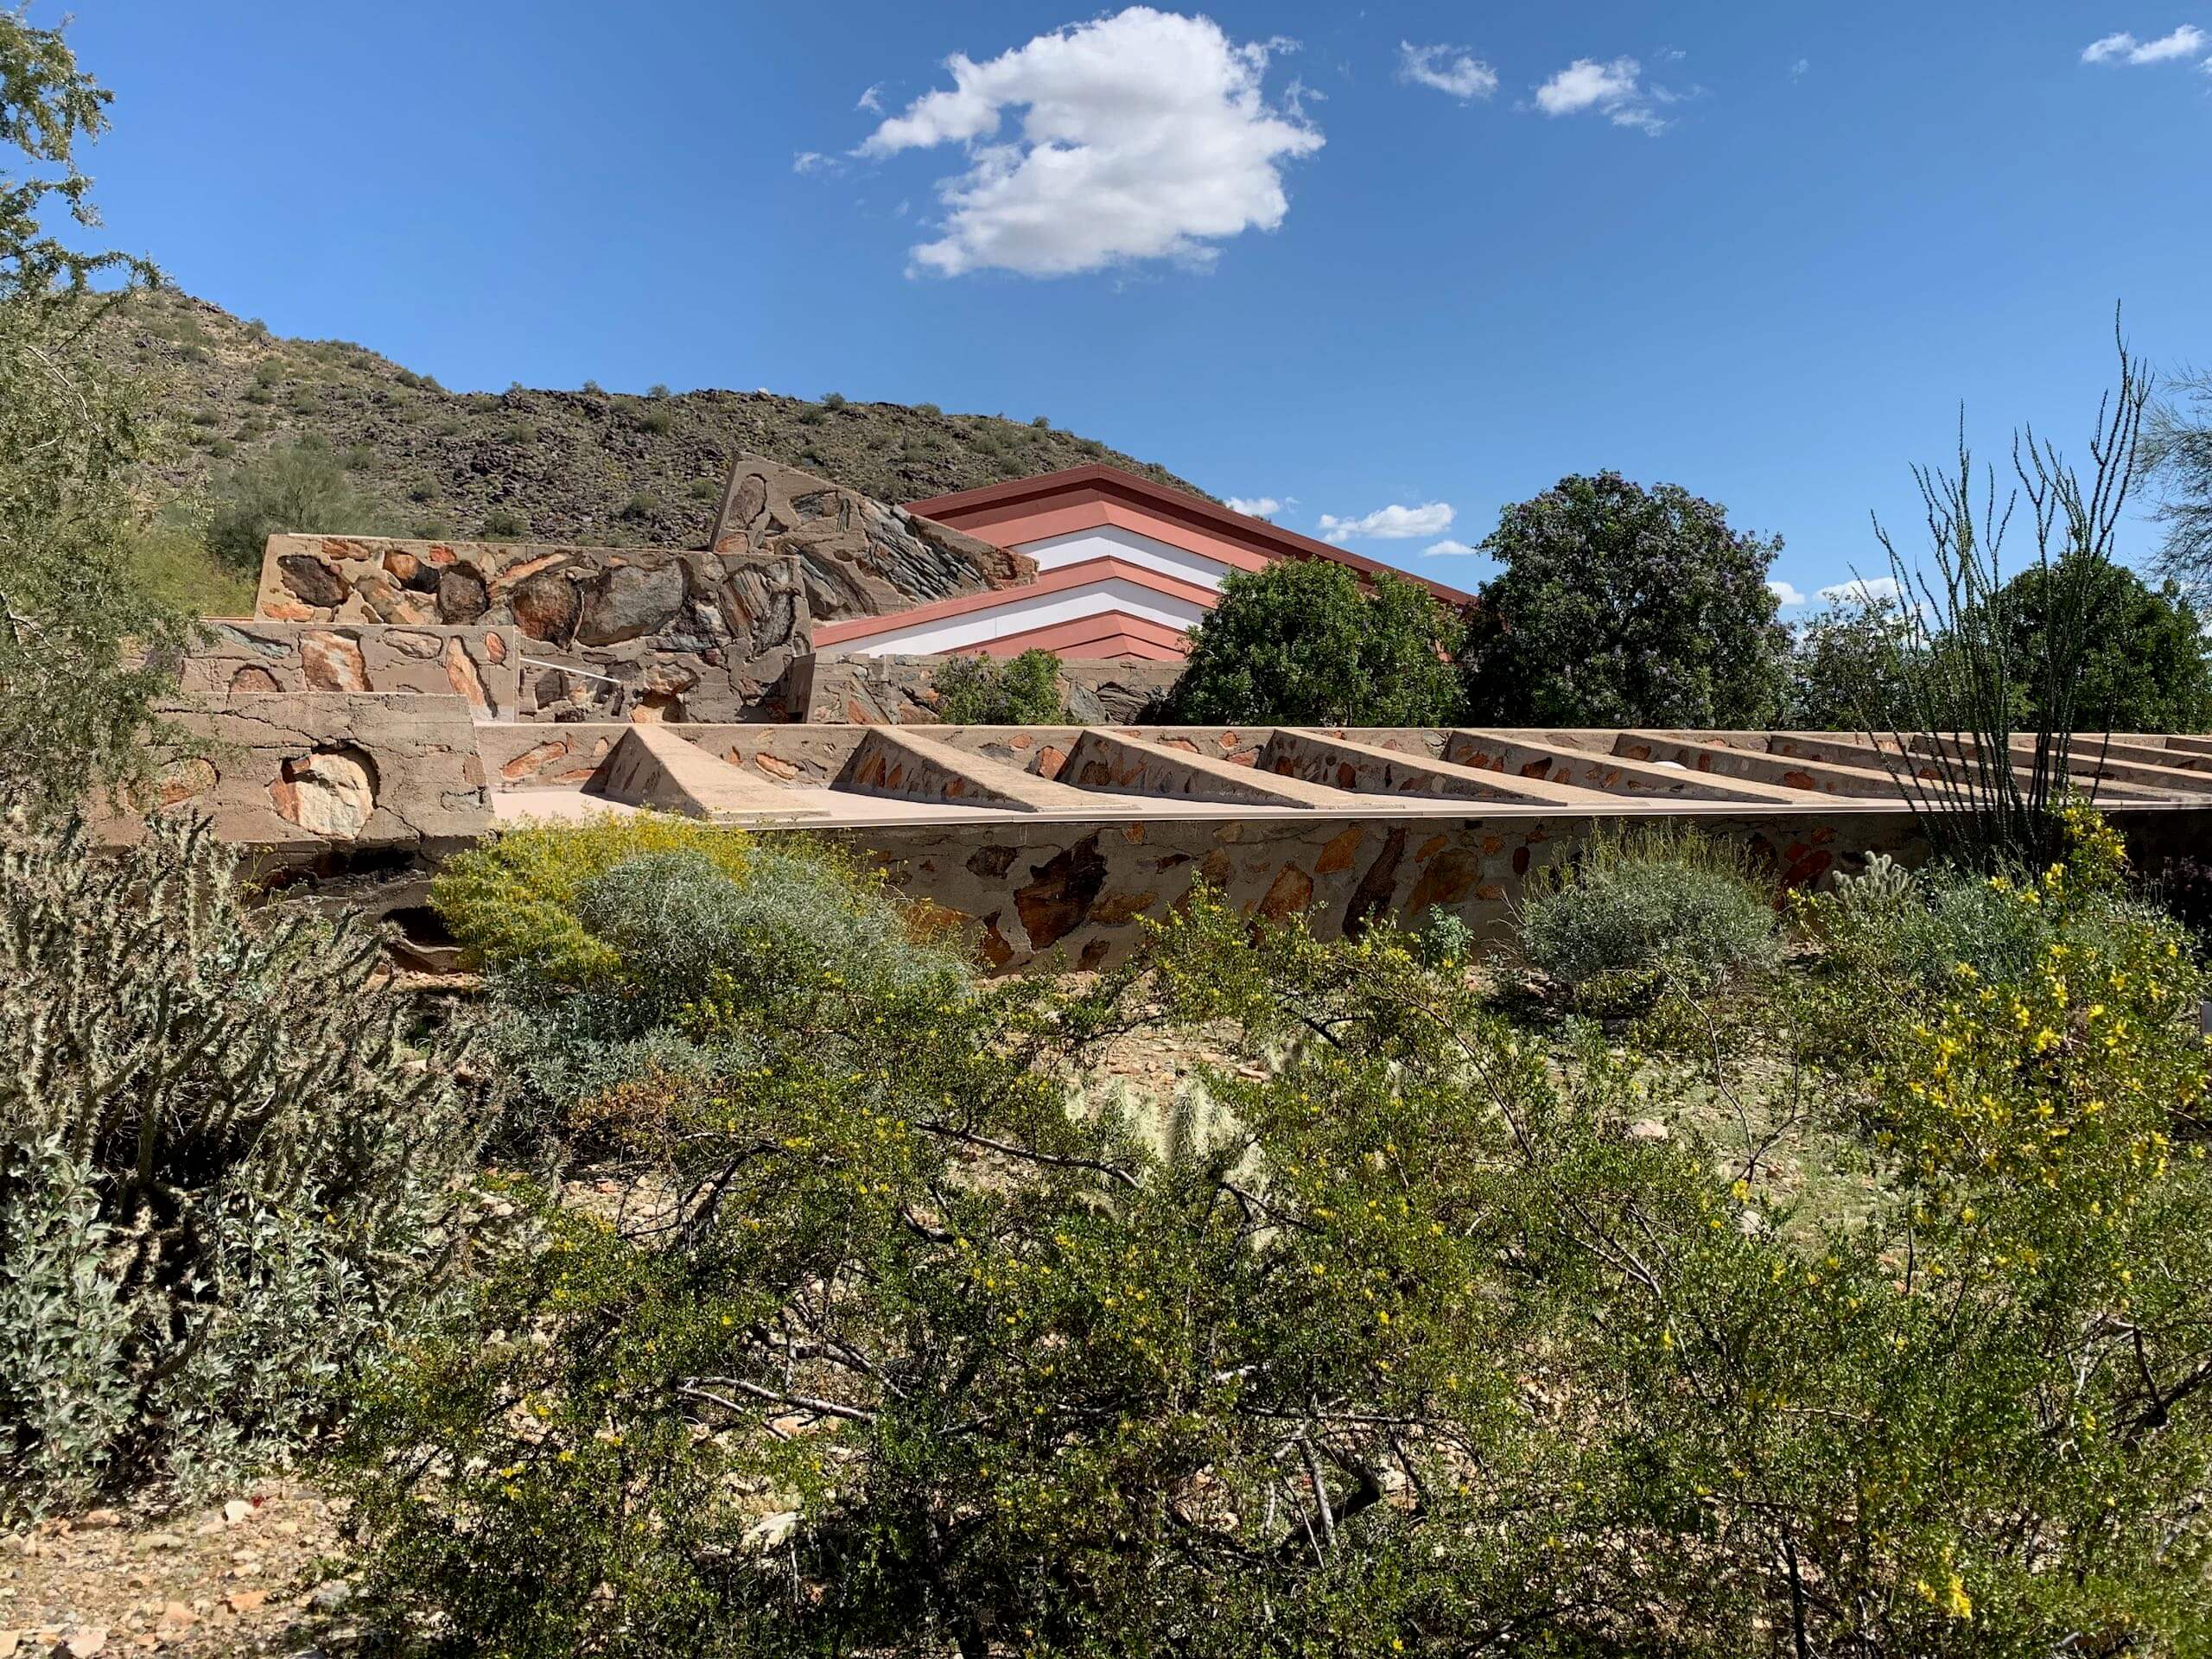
588 466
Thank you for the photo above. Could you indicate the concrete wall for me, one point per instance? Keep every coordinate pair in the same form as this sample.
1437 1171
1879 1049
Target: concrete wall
901 690
480 664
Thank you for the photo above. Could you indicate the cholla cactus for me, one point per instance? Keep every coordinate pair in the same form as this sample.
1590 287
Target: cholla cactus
1881 890
224 1168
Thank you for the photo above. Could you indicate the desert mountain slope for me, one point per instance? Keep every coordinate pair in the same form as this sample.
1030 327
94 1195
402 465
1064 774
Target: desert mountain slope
581 466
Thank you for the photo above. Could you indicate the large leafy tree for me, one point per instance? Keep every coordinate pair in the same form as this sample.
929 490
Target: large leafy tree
80 639
2144 668
1849 670
1305 641
1623 606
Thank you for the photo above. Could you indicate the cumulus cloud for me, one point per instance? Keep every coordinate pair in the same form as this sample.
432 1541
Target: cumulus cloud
2186 42
872 99
1445 548
1800 69
1142 136
807 160
1448 68
1785 593
1255 506
1615 90
1390 523
1867 590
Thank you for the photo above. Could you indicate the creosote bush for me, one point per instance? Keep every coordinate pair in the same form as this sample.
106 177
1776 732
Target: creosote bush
1651 905
1410 1346
650 946
228 1168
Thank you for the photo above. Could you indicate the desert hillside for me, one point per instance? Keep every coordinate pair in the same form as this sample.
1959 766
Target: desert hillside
588 466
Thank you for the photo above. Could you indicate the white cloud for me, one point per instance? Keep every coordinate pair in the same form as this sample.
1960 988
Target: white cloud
807 160
1255 506
1144 136
1445 548
872 99
1390 523
1868 590
2186 42
1448 68
1800 69
1783 591
1615 90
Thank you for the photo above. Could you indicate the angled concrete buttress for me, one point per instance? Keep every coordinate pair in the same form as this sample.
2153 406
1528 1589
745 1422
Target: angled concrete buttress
652 767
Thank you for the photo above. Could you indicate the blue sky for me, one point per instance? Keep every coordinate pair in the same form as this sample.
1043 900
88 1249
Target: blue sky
1410 257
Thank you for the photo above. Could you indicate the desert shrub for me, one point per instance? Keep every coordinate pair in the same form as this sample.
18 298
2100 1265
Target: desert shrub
299 488
227 1167
833 400
1409 1347
667 949
504 524
172 562
985 691
511 902
1651 905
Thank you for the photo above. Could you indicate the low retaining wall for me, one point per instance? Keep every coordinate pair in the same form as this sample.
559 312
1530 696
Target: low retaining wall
902 691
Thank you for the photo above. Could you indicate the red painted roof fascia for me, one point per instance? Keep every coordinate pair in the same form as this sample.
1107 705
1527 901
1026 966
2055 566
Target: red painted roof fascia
962 508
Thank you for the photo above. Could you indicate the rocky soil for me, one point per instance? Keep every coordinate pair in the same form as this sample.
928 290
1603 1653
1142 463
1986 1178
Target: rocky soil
256 1574
590 466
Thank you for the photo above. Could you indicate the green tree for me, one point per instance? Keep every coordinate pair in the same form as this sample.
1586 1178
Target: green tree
300 486
1847 669
2144 668
48 107
80 639
1620 605
1305 642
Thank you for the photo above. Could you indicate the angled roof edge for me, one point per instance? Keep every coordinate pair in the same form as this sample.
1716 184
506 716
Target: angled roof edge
1170 503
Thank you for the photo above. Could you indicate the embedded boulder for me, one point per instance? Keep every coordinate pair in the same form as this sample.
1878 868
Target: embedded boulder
627 602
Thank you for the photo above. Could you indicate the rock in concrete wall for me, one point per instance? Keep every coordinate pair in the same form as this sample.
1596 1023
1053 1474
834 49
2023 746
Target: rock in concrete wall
308 771
481 665
1037 889
860 556
901 690
602 633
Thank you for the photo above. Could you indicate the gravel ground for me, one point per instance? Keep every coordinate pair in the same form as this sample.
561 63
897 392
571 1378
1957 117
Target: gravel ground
260 1574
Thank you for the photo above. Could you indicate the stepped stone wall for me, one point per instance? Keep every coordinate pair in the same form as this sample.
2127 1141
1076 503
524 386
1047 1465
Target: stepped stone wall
637 633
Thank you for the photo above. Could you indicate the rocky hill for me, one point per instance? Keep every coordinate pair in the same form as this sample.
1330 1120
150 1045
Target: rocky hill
589 467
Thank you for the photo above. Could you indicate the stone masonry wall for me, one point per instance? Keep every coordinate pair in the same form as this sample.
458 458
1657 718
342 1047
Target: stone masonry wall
620 632
901 690
651 633
480 665
859 557
1039 890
